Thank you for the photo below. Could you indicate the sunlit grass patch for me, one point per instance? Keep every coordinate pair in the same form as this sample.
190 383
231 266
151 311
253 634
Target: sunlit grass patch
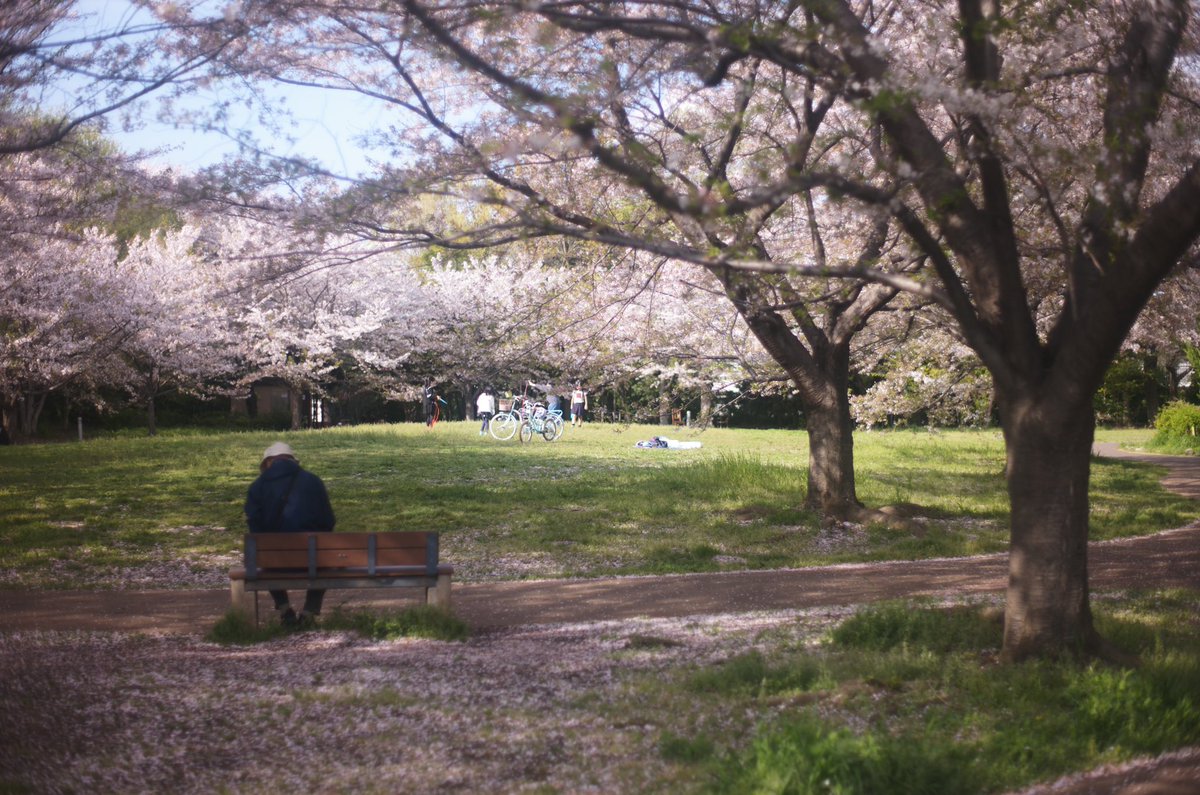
909 697
108 513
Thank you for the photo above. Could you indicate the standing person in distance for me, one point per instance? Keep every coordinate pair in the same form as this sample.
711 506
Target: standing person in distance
485 408
288 499
430 405
578 405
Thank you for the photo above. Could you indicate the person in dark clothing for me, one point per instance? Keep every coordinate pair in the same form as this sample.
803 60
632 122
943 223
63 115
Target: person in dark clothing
431 406
288 499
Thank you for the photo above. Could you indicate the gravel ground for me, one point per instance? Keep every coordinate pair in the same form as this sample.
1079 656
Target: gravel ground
539 708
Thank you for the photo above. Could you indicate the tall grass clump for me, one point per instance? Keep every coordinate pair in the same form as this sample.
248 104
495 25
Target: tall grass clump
805 756
890 625
419 621
751 675
237 628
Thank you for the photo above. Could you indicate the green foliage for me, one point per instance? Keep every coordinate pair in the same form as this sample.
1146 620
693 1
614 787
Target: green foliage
685 749
1177 423
1130 389
909 699
141 217
421 621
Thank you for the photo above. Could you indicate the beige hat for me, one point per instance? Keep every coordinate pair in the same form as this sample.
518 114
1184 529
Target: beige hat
279 448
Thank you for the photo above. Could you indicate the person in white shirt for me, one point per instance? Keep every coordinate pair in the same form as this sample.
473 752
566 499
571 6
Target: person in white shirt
578 405
485 409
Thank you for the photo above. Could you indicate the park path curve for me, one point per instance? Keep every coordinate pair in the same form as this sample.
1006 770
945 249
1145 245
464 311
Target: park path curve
1167 559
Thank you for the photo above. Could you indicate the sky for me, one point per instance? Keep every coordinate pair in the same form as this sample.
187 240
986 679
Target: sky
325 122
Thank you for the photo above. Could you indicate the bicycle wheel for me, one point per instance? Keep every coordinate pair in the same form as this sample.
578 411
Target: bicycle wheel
503 426
553 428
526 431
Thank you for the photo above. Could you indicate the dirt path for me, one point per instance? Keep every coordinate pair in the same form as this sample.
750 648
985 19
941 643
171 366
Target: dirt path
1170 559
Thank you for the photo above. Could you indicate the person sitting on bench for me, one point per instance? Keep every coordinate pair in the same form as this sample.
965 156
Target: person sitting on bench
288 499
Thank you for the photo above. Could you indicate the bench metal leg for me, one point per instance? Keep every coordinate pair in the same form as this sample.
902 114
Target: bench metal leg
240 598
237 593
439 596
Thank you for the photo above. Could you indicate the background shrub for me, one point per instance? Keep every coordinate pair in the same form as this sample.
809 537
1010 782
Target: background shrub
1177 425
1178 419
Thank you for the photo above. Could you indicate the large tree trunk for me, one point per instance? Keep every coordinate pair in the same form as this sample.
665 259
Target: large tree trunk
664 403
706 405
822 380
1049 461
151 415
831 459
29 411
151 408
294 403
1152 368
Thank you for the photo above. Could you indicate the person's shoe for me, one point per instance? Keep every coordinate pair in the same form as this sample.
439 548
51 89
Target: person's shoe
288 618
306 621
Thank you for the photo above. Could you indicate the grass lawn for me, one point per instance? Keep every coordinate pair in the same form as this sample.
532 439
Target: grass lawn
892 698
131 511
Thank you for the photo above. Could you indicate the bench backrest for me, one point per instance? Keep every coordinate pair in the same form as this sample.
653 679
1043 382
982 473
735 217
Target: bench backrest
332 551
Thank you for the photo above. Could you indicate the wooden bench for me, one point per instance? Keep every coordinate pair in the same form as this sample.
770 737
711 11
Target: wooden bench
295 561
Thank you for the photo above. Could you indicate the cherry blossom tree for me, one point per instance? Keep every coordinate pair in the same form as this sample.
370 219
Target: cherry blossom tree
1039 159
63 70
1166 336
1122 210
63 308
301 305
62 319
181 336
674 324
922 370
494 318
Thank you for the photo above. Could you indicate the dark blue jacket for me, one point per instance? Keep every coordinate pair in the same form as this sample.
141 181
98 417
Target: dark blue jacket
307 506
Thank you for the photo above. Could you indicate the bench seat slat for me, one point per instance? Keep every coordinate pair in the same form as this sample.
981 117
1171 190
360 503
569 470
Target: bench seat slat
398 540
334 558
333 583
301 573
